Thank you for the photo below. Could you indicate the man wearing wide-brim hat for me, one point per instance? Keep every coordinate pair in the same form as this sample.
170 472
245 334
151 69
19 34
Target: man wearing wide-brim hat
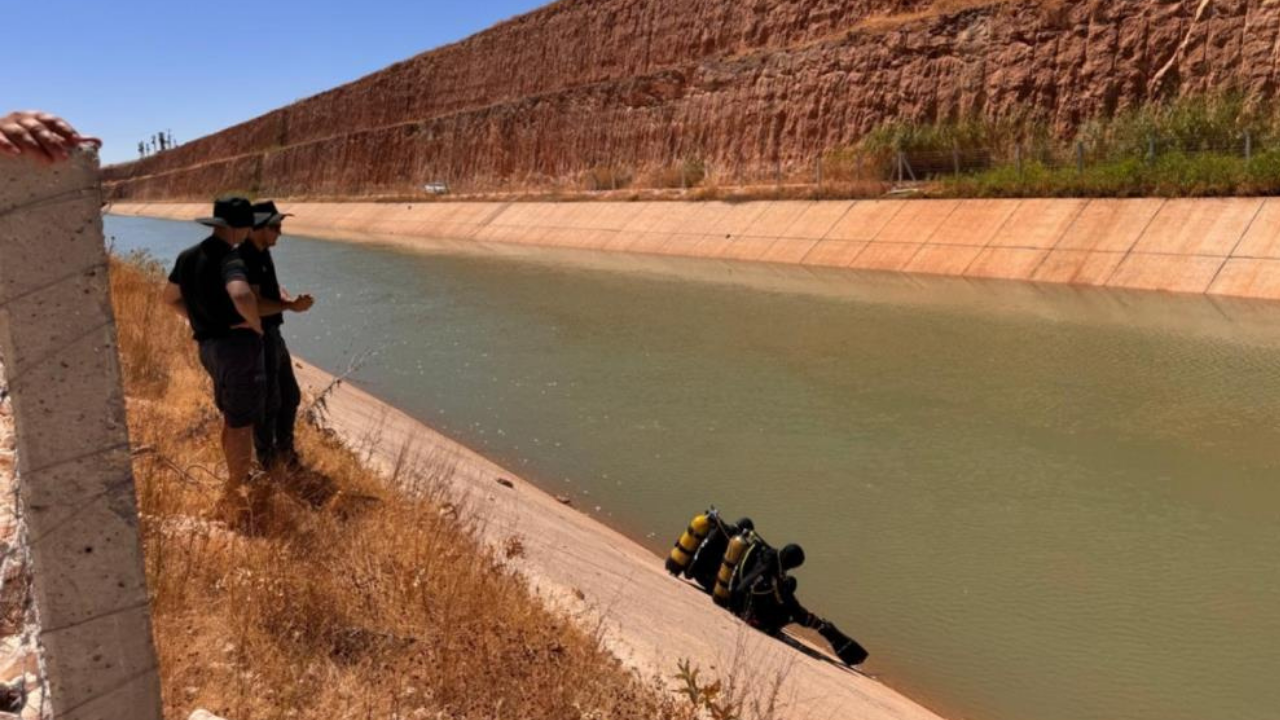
209 286
273 434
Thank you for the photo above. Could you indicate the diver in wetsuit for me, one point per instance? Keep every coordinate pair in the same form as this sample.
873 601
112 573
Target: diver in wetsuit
749 577
763 594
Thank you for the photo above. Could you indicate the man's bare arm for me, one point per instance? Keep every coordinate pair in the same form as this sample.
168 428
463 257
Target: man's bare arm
246 304
267 306
173 298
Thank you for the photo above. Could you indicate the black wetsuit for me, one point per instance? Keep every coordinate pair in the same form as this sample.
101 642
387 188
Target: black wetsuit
764 595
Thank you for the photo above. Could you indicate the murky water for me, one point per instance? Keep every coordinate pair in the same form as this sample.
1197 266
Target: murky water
1030 503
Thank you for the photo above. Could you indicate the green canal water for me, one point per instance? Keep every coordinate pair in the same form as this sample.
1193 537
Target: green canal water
1029 502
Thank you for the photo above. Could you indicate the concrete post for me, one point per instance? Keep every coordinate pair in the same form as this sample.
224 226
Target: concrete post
57 332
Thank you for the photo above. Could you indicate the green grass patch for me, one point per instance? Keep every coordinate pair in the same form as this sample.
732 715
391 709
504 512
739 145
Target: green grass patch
1194 147
1174 174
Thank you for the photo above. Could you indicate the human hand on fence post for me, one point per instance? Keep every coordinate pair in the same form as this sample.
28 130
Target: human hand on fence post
41 135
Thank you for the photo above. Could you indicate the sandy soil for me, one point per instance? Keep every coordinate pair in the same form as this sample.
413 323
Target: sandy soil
647 618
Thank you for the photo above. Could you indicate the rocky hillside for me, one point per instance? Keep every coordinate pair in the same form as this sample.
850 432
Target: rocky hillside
742 84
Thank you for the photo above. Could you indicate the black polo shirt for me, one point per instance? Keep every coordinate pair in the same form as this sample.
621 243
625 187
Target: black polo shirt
203 271
261 271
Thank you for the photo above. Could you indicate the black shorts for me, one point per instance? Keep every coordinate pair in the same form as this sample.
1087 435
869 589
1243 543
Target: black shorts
239 376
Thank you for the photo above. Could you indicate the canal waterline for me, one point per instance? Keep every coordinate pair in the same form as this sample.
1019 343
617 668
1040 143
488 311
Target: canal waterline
1065 512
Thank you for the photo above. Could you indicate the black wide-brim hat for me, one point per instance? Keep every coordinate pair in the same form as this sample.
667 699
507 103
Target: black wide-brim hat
266 213
230 212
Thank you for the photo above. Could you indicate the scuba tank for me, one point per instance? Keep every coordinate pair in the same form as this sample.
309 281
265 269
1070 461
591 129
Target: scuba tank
682 554
733 555
706 562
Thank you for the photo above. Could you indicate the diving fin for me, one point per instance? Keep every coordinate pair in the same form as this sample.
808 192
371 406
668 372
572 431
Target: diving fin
846 648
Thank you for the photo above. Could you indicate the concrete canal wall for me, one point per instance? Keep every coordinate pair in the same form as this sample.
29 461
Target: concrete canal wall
1220 246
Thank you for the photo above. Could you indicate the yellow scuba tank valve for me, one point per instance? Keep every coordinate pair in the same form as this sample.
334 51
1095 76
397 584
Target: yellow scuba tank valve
682 554
732 556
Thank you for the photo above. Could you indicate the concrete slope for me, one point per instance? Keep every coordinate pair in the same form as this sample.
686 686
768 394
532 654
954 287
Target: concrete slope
649 619
1220 246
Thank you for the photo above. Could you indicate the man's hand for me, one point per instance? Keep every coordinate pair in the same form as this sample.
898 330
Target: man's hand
45 137
302 303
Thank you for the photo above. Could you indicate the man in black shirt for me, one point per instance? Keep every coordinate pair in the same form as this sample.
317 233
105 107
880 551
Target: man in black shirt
209 286
273 434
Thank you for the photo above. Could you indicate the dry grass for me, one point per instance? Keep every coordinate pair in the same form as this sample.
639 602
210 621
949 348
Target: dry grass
607 177
378 603
687 173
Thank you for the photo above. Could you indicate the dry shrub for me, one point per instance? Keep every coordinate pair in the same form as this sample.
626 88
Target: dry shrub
687 173
379 603
607 177
854 165
851 189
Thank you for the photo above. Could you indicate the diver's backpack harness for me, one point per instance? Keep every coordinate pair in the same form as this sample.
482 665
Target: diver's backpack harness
757 577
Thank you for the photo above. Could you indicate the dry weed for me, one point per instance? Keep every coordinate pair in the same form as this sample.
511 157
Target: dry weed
377 604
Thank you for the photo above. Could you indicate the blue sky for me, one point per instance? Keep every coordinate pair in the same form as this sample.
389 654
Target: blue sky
126 69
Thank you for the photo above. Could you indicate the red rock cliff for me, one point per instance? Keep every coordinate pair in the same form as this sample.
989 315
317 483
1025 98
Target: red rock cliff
743 84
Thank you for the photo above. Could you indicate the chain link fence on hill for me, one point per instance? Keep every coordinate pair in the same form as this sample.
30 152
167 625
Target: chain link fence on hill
1195 166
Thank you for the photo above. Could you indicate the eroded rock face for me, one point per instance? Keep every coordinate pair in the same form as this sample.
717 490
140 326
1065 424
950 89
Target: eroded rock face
744 84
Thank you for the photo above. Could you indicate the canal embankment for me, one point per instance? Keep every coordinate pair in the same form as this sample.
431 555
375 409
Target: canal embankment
608 581
1217 246
997 483
408 591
